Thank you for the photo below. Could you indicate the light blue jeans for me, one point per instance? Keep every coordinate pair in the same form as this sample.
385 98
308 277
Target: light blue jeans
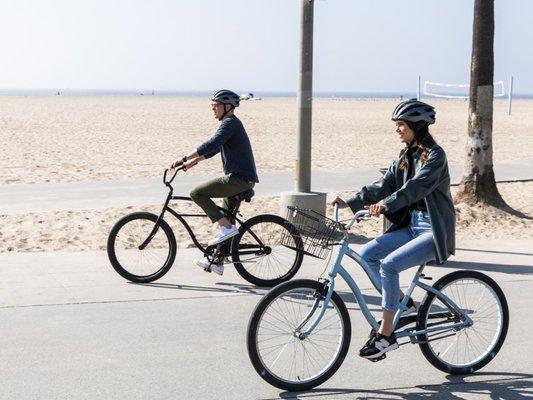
396 251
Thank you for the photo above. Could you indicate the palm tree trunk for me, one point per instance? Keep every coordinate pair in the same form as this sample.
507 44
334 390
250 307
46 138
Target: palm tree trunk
478 184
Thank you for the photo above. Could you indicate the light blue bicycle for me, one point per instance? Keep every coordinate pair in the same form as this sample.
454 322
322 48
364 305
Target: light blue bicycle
299 333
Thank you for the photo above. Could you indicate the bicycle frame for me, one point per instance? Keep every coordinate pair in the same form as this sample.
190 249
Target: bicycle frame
206 250
338 269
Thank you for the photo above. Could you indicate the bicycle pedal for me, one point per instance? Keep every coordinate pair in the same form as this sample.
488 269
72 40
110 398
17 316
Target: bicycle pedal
207 269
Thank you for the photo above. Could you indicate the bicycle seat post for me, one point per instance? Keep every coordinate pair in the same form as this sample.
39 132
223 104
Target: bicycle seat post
237 205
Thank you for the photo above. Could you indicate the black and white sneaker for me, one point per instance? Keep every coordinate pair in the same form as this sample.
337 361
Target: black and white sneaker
378 345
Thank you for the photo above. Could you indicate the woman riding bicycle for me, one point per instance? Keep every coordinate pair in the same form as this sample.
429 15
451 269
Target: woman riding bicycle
233 144
415 195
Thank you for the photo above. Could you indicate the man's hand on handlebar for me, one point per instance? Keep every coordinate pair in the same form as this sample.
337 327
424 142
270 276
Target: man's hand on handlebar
187 161
189 164
340 202
178 163
375 209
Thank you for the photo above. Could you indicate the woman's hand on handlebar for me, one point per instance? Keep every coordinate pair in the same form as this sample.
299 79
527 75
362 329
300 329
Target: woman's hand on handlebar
341 203
375 209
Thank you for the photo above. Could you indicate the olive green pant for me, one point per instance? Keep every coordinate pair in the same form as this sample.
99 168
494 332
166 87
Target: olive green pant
226 186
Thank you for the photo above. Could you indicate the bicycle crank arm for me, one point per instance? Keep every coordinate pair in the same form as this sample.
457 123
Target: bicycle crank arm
438 336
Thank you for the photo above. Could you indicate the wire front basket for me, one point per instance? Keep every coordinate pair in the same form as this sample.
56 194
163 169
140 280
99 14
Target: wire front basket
317 232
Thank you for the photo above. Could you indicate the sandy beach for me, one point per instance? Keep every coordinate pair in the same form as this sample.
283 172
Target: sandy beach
88 230
67 139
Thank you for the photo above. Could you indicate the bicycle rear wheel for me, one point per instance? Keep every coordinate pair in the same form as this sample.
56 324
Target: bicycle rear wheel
464 350
276 351
257 252
135 264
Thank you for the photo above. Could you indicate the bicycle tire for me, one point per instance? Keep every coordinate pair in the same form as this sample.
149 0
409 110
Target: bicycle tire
126 271
469 279
255 325
259 270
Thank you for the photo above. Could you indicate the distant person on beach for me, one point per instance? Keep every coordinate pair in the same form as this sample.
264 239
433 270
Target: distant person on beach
414 194
233 144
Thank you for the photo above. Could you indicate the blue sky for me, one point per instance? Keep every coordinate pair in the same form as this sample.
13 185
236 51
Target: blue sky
252 45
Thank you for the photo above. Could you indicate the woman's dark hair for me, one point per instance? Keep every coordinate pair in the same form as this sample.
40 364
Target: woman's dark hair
423 139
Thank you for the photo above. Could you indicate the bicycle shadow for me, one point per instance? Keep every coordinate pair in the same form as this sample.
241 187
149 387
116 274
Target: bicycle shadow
509 386
220 288
481 266
513 253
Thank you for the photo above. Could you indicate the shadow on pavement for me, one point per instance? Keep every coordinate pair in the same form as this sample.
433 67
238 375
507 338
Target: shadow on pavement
514 253
223 287
220 288
501 385
477 266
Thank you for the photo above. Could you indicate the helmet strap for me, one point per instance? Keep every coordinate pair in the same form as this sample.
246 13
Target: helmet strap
226 111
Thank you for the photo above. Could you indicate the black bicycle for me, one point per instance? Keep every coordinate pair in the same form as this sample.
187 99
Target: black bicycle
142 247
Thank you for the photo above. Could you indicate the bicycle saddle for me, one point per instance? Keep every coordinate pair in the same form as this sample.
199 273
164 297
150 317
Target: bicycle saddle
246 195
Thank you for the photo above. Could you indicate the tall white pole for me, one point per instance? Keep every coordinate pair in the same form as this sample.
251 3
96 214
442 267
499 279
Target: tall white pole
510 95
418 88
305 97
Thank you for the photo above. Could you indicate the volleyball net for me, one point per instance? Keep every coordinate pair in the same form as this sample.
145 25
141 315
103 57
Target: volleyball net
456 90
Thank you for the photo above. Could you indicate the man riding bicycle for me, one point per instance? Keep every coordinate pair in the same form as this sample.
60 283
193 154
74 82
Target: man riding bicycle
233 144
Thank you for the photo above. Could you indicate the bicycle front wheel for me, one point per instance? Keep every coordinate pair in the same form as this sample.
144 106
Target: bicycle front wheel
141 265
258 254
464 350
279 355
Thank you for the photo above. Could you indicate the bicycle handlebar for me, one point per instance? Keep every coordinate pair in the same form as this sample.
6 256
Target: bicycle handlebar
167 183
176 170
358 216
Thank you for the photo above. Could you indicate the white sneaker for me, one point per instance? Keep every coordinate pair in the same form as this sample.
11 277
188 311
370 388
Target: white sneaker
216 268
224 234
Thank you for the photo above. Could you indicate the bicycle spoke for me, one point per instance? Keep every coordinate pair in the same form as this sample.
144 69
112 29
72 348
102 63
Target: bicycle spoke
285 354
268 266
141 262
471 343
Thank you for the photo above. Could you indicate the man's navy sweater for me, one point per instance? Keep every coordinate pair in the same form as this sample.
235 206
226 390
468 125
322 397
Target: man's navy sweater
235 149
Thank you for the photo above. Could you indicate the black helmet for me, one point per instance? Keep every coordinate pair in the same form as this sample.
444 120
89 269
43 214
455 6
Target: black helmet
413 110
225 96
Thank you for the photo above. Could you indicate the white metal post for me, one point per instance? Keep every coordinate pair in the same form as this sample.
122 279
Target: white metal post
510 95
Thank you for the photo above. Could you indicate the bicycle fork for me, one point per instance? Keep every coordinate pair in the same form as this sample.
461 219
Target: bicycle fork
325 295
147 241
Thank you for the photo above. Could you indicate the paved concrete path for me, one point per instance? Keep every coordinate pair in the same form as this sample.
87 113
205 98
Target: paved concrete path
18 199
71 328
